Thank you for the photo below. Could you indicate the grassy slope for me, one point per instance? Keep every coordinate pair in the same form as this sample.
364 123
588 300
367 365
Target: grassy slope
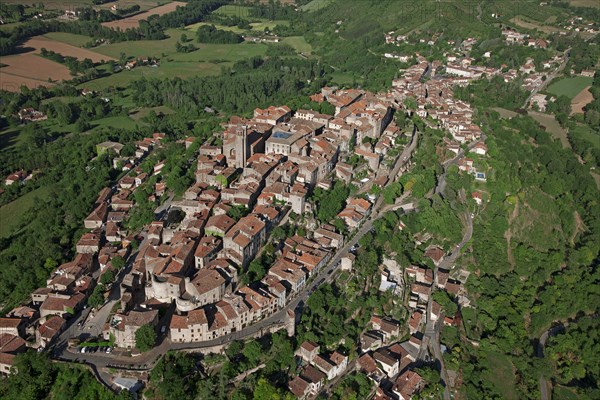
10 214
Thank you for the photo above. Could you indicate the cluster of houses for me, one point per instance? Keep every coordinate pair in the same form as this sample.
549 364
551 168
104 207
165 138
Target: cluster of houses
41 321
17 177
512 36
317 370
267 165
580 24
31 115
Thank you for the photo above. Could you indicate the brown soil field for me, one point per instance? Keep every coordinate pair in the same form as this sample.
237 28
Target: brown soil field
581 100
31 70
13 83
39 42
133 22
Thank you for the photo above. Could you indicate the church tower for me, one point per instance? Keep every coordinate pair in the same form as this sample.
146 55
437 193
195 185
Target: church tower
241 147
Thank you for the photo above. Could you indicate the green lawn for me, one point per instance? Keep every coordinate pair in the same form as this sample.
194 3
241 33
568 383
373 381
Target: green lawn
69 38
569 87
10 214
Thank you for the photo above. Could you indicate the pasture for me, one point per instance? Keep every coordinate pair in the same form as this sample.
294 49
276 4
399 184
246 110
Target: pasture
134 22
569 87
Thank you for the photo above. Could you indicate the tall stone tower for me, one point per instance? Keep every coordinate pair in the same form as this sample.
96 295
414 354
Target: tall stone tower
241 147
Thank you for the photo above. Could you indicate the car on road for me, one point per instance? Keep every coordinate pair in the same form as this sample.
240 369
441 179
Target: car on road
82 350
108 350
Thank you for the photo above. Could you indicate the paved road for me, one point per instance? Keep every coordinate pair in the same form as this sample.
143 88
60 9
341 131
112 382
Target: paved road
550 77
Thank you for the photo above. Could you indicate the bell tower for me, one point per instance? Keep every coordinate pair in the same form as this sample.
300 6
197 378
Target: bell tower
241 147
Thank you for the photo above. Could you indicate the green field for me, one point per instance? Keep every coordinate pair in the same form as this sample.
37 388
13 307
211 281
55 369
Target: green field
69 38
569 87
234 29
165 50
120 121
234 10
299 43
10 214
316 5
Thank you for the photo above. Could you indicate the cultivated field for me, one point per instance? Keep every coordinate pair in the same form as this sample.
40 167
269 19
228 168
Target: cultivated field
30 70
39 42
569 87
581 100
134 22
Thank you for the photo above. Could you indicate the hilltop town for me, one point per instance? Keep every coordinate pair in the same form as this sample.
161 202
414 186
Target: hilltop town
191 274
299 199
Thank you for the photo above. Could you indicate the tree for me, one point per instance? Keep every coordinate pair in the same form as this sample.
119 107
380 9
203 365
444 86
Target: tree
145 338
118 262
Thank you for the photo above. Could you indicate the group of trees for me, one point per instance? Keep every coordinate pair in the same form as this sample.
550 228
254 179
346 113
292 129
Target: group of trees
247 85
36 377
75 66
184 375
519 296
210 34
330 202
